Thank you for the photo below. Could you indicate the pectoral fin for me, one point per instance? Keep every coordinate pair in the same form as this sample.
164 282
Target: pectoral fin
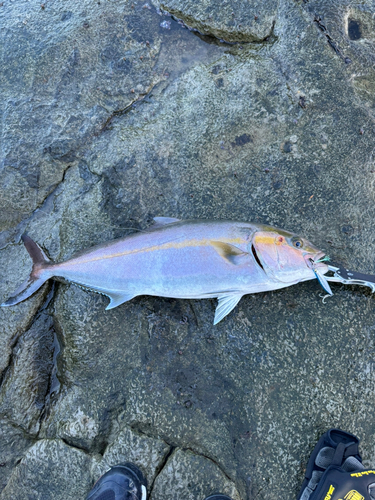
225 305
117 298
229 252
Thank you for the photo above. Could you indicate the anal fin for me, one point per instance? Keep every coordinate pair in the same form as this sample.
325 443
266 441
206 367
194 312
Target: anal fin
225 305
118 298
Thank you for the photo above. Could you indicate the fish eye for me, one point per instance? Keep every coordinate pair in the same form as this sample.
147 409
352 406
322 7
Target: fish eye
297 242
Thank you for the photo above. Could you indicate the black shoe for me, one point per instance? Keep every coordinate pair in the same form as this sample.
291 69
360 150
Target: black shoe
122 482
218 496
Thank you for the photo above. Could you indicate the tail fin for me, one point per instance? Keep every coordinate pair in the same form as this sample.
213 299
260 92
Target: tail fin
37 277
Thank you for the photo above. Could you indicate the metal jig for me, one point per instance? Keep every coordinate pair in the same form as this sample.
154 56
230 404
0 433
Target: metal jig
319 276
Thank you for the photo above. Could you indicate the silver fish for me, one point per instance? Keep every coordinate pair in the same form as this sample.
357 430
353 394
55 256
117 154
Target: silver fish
192 259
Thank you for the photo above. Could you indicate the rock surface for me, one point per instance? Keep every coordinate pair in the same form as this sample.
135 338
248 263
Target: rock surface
112 114
189 476
233 21
65 476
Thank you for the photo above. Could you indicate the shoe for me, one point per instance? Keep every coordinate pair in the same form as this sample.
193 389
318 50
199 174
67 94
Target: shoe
121 482
218 496
334 448
338 484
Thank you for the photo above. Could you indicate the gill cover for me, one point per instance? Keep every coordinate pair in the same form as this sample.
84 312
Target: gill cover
283 254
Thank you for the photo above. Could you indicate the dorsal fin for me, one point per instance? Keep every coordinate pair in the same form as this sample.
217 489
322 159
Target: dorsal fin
163 221
229 252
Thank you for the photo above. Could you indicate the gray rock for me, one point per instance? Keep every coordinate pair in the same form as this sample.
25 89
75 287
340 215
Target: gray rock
59 91
27 381
14 443
67 474
349 30
187 476
129 379
231 21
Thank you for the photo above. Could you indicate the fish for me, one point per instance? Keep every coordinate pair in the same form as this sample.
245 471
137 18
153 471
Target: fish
183 259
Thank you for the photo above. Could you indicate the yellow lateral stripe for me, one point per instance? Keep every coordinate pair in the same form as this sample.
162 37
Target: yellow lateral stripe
164 246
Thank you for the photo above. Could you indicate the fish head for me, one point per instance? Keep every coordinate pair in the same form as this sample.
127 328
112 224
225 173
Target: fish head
285 256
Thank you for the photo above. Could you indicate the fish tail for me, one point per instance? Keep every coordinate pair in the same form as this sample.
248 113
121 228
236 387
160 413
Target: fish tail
38 275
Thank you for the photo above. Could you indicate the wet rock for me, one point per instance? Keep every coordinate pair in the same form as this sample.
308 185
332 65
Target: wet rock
16 322
13 446
131 377
67 474
187 476
27 381
59 90
232 21
88 426
350 29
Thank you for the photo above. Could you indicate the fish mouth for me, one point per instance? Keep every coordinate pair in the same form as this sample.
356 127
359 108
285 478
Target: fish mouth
313 261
